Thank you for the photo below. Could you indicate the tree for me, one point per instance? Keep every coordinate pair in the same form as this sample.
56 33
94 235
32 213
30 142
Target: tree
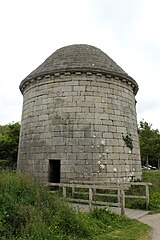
149 143
9 139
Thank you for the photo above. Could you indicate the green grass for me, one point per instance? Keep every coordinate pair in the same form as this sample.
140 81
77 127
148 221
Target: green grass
120 228
30 212
154 178
147 176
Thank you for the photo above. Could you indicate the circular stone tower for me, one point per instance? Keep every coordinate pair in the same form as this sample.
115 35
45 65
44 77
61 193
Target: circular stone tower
79 119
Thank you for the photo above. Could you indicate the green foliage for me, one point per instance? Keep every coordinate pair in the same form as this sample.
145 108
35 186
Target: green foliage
9 139
149 143
154 178
112 219
147 176
136 204
119 228
155 201
30 212
128 141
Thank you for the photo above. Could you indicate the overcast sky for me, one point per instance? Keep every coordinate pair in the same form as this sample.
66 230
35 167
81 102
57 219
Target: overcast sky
127 30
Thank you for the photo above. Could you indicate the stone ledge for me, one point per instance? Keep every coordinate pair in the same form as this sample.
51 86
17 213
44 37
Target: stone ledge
126 79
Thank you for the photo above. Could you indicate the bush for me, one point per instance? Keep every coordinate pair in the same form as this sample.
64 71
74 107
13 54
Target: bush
7 164
9 139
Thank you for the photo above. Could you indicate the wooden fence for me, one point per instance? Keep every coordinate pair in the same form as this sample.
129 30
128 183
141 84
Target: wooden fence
146 197
92 192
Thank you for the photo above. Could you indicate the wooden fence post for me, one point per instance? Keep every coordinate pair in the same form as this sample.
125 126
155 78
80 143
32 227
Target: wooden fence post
147 196
90 198
119 196
122 202
73 190
64 192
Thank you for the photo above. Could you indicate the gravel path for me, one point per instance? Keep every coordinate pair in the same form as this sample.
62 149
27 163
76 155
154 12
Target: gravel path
153 221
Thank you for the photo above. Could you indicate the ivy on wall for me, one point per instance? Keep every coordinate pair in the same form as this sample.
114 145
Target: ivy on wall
128 141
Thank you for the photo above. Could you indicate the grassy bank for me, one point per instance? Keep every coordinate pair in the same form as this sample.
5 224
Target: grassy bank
29 212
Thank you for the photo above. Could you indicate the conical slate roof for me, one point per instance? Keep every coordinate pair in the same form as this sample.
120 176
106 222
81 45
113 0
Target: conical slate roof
78 57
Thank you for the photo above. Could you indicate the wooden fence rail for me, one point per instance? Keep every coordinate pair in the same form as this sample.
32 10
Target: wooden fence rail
92 192
146 185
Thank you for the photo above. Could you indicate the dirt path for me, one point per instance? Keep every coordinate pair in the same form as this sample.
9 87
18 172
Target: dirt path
153 221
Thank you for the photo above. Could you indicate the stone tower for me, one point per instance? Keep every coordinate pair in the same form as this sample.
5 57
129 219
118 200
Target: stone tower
79 119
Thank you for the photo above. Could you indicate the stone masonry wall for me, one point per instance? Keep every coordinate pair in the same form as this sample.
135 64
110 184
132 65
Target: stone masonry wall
80 119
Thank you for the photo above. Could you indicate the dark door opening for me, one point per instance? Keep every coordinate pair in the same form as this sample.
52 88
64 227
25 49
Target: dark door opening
54 171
